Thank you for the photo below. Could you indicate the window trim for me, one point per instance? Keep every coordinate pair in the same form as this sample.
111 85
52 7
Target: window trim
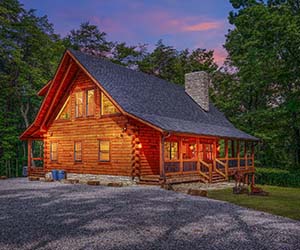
74 153
99 151
51 151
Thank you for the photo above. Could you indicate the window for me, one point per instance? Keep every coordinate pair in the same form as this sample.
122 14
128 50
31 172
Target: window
65 112
90 102
104 150
79 104
107 107
53 151
77 151
189 150
171 150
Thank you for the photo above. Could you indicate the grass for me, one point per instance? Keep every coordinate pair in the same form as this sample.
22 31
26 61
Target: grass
281 201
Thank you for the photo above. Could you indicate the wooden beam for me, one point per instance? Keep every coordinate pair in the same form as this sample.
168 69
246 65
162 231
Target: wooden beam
245 154
238 153
180 155
29 146
56 94
226 157
198 153
252 154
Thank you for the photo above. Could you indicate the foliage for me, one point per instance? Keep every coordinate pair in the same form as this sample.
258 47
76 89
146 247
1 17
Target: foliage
259 88
281 201
277 177
29 54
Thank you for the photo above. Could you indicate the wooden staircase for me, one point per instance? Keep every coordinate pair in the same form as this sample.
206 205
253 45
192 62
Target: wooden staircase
216 178
37 172
149 180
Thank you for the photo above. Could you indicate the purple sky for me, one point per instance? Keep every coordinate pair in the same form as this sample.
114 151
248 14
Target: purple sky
183 24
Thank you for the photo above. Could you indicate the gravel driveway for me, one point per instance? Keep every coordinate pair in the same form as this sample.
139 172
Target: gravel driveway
38 215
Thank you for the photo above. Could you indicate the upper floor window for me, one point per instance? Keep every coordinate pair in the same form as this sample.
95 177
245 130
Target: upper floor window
78 151
90 102
79 104
107 107
65 112
171 150
53 151
104 150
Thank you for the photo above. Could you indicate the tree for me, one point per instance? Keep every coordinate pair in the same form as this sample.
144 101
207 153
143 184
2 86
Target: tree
89 39
263 47
170 64
29 53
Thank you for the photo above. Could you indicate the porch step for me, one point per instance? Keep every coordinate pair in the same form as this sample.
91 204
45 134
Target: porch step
37 173
217 178
149 180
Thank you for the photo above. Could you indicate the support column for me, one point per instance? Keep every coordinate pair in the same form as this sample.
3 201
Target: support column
226 157
238 154
252 154
29 159
180 156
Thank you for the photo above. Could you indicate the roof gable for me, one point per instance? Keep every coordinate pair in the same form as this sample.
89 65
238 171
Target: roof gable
161 103
158 103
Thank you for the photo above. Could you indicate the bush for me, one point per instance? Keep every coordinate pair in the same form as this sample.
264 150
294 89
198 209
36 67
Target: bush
277 177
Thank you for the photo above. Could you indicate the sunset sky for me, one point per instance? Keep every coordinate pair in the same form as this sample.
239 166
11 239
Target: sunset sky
183 24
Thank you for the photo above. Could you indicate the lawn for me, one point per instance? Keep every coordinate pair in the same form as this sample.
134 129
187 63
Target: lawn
281 200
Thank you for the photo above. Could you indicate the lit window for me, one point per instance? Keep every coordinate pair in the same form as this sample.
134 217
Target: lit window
77 151
90 102
104 150
53 151
107 107
189 150
79 104
171 150
65 112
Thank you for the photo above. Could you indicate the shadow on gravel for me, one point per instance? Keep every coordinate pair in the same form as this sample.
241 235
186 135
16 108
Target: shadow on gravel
48 216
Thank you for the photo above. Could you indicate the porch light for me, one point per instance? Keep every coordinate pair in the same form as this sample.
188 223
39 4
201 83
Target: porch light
139 145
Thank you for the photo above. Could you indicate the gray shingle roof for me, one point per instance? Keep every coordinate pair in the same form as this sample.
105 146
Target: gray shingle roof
161 103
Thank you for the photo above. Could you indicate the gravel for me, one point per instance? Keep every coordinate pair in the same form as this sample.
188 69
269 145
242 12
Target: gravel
40 215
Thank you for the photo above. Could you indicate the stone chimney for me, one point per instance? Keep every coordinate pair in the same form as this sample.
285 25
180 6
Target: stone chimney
196 86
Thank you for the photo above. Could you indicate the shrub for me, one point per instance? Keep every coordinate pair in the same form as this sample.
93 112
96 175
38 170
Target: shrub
277 177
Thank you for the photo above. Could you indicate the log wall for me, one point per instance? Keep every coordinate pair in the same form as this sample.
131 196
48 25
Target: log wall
89 130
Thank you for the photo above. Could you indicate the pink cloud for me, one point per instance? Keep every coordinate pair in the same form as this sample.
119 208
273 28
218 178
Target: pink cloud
204 26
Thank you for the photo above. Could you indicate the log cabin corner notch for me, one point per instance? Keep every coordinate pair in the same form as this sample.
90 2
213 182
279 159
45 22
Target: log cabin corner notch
100 118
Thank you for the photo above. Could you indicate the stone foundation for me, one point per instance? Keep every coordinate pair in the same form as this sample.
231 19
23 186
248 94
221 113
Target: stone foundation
103 179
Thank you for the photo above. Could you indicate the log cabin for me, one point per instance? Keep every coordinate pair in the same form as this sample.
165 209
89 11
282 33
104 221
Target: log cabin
98 118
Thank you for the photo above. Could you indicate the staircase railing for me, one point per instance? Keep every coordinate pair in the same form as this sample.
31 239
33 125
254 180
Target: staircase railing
206 170
220 172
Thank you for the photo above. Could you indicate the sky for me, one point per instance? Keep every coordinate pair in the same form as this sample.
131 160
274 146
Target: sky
180 23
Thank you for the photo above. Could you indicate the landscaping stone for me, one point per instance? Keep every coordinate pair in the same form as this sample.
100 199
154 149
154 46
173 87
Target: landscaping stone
93 183
197 192
33 178
3 177
115 184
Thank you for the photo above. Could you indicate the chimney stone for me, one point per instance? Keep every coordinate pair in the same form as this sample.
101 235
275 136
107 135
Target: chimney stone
196 86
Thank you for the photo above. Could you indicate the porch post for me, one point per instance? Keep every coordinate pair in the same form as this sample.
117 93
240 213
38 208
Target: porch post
252 153
198 154
246 160
215 154
226 157
161 158
29 160
180 156
238 153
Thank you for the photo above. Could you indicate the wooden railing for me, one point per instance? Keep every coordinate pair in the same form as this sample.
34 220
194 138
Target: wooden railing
221 168
206 170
